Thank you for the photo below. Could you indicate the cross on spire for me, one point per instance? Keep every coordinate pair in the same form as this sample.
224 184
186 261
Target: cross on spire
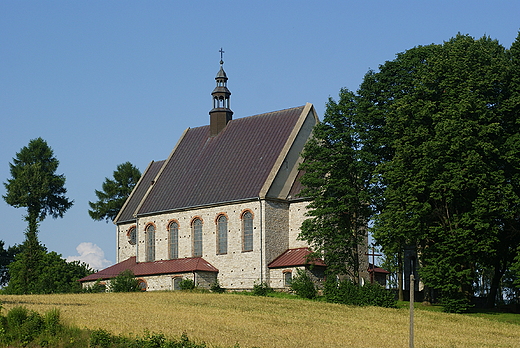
221 55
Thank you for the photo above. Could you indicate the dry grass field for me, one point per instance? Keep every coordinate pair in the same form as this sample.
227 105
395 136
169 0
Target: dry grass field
227 319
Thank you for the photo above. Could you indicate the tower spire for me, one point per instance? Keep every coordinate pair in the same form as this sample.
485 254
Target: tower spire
221 114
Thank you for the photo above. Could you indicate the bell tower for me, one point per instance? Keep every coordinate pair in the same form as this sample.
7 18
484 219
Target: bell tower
221 114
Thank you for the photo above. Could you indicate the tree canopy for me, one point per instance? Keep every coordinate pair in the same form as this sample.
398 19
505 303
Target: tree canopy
35 185
114 192
433 149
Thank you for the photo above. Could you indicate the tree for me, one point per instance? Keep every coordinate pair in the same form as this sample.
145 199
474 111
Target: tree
35 186
114 192
336 179
443 115
6 258
52 275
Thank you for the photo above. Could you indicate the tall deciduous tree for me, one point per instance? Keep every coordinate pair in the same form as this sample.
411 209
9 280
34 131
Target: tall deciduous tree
114 192
431 143
35 186
449 182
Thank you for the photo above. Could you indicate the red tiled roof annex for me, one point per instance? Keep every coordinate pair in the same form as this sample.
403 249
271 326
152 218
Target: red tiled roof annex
295 257
191 264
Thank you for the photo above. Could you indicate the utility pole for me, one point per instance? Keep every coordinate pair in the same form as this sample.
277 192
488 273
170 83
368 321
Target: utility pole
412 288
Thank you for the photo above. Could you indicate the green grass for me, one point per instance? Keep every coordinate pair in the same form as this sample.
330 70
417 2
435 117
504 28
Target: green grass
489 314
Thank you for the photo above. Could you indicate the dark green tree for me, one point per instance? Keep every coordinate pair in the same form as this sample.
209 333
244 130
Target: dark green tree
35 186
52 275
450 164
6 258
114 192
336 179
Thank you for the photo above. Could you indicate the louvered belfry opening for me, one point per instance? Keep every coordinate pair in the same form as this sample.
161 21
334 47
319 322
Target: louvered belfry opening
221 114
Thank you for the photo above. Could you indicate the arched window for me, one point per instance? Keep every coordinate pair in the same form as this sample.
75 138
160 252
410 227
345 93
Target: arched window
142 284
247 231
174 240
150 243
197 237
222 233
132 235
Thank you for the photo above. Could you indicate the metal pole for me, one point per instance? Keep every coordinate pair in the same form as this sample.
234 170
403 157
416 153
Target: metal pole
412 288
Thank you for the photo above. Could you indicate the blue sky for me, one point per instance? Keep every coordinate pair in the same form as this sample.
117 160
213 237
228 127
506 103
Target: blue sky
105 82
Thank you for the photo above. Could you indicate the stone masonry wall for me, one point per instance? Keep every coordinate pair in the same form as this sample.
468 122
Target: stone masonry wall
237 268
276 230
124 248
297 212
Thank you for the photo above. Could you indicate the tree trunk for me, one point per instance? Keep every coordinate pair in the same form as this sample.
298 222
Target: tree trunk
400 276
495 283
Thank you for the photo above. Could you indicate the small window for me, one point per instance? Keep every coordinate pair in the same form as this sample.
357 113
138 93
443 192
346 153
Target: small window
177 283
247 227
174 240
197 237
222 234
132 236
287 278
150 243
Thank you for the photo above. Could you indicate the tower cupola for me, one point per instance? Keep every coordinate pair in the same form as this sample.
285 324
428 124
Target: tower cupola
221 114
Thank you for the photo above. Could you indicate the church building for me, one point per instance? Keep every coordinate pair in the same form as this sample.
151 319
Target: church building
224 205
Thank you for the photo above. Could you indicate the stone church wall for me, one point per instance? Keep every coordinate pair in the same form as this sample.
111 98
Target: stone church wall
297 212
276 230
237 268
124 247
276 226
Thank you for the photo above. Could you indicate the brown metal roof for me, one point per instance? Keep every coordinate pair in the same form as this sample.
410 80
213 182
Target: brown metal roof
231 166
295 257
153 268
127 211
377 269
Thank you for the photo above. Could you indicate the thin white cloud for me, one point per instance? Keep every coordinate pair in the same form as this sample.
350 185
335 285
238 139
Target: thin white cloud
91 254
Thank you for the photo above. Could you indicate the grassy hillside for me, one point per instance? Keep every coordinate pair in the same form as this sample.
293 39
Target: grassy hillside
226 319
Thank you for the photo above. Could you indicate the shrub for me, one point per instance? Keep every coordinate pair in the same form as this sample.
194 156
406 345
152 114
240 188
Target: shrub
125 282
96 287
455 302
51 321
303 285
346 292
187 284
215 287
261 289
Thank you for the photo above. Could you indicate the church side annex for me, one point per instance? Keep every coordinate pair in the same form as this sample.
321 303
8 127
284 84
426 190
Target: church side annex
223 206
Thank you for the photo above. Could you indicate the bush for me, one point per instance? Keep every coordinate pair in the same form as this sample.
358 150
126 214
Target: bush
96 287
125 282
455 302
187 284
346 292
303 285
261 289
215 287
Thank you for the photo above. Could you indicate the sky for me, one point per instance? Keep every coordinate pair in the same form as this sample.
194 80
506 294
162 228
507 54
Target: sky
105 82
